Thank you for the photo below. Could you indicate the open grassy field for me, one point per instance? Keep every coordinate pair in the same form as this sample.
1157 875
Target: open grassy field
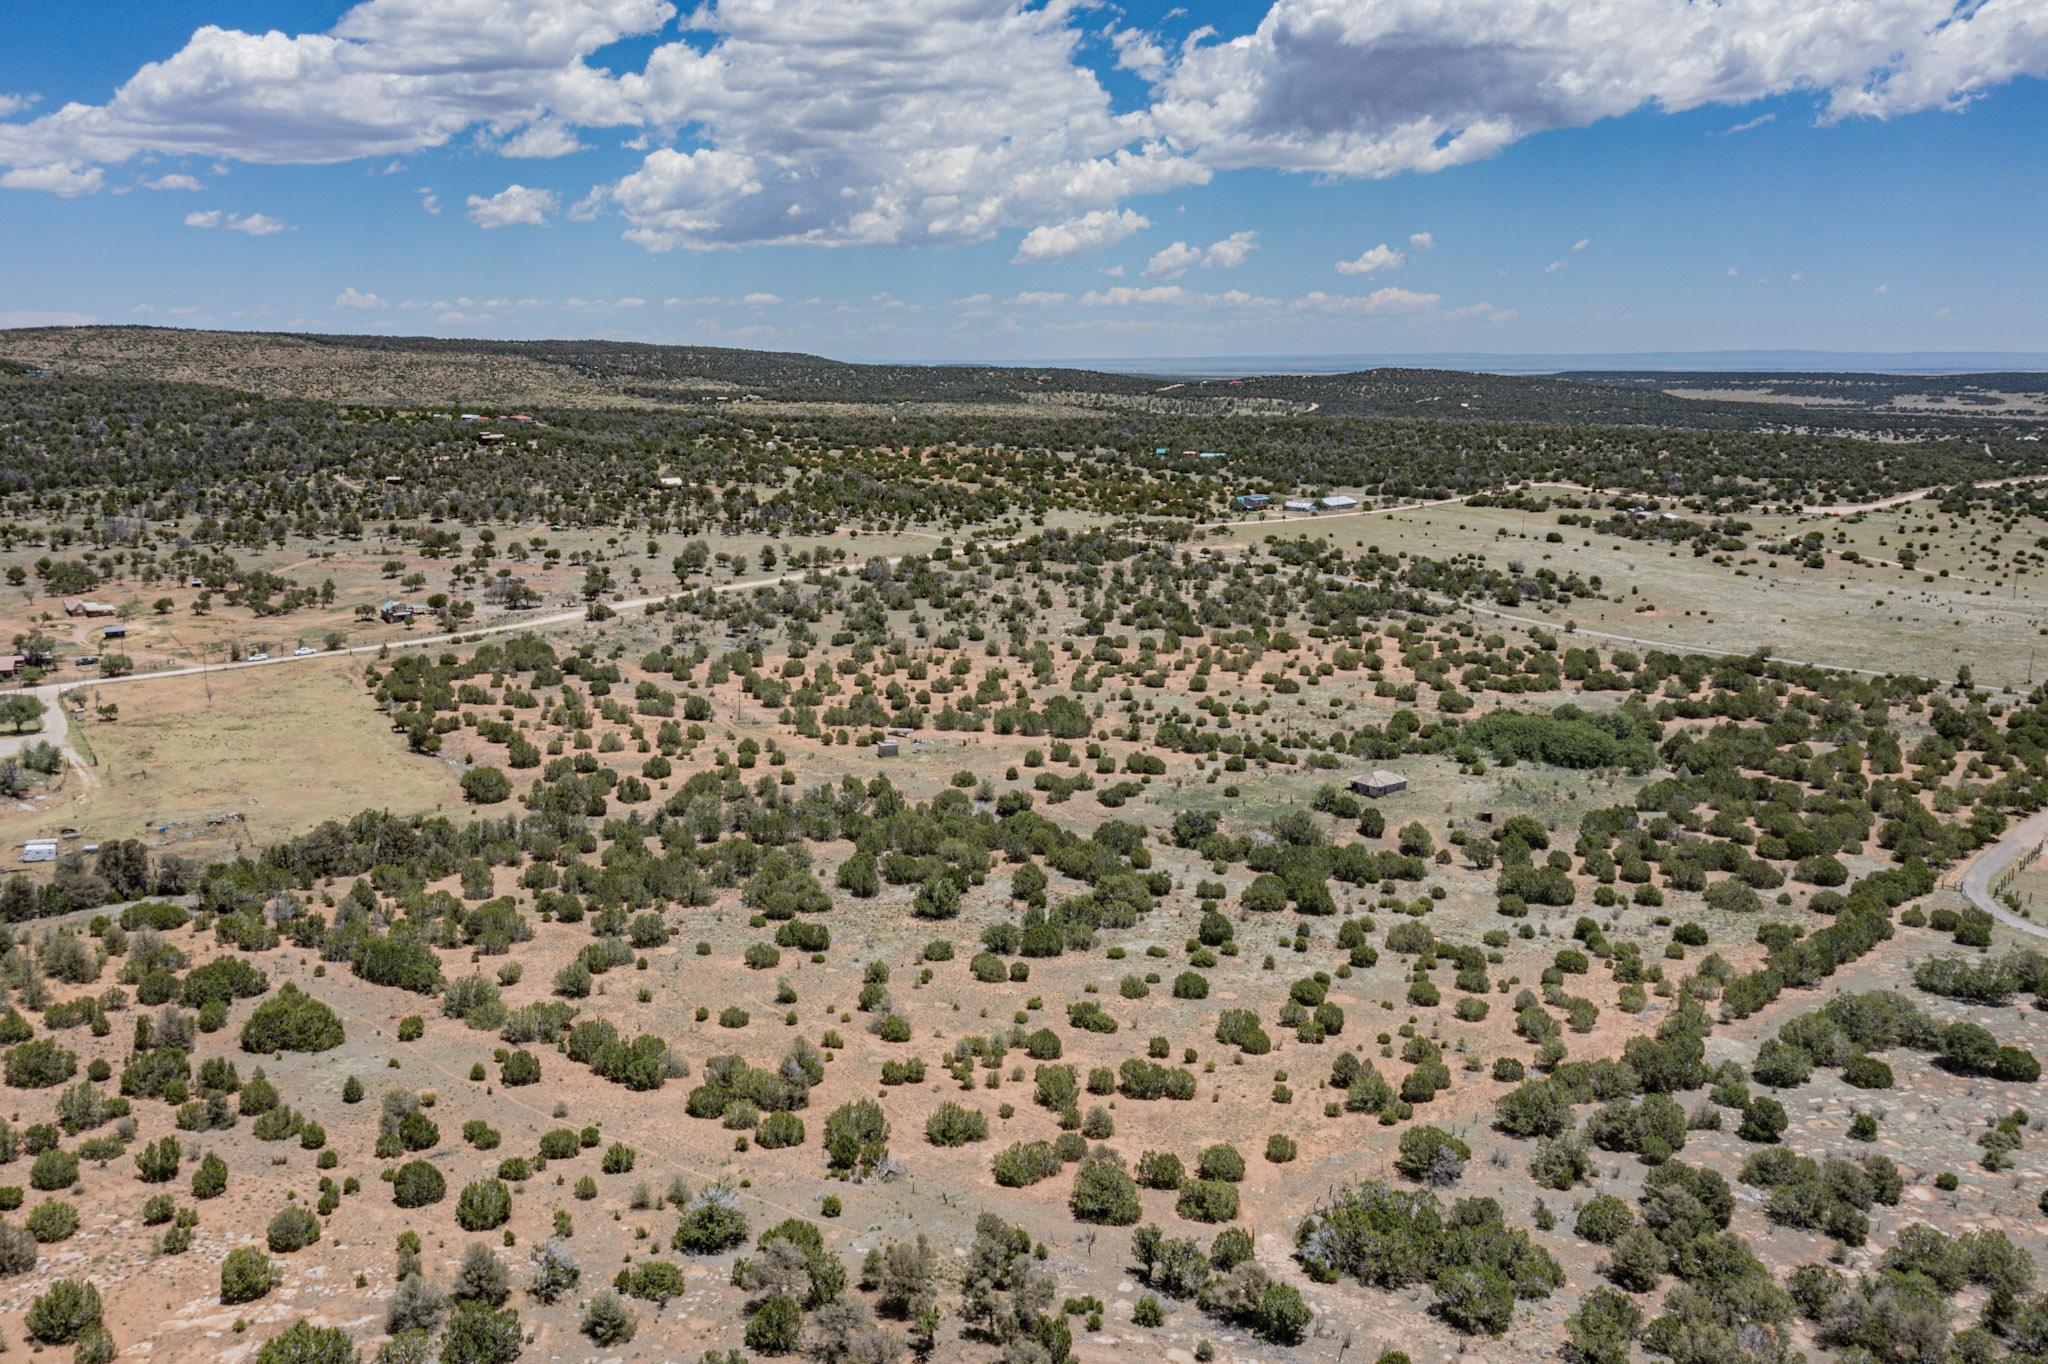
167 623
1872 615
268 752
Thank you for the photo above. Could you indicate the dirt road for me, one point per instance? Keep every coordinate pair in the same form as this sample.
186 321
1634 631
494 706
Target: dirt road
1901 499
56 727
1981 874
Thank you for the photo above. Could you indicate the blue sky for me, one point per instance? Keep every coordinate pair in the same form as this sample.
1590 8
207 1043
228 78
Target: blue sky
980 179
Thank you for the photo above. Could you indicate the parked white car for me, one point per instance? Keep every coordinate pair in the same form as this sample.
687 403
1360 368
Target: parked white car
304 650
258 657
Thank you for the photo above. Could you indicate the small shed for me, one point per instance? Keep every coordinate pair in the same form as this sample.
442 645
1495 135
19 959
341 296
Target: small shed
1299 504
886 748
39 850
113 632
1379 782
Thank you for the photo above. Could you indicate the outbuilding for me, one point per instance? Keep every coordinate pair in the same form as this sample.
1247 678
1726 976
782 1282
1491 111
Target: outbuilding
1339 502
1379 782
1299 504
886 748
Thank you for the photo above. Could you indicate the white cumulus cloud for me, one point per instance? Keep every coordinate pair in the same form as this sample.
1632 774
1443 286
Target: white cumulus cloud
1176 260
1372 261
935 122
249 224
65 179
1173 261
1138 51
351 297
513 206
1380 87
680 198
173 182
546 138
1379 302
256 224
1079 236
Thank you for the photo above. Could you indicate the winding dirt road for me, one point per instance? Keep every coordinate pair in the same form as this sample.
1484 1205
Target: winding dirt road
1981 874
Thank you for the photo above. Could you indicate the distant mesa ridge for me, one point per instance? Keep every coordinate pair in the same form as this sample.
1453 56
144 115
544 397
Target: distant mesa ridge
1933 392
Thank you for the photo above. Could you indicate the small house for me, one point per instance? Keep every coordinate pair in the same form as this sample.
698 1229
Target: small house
1379 782
1250 501
394 610
79 606
886 748
1299 504
10 664
670 480
1212 454
1162 450
1339 502
490 438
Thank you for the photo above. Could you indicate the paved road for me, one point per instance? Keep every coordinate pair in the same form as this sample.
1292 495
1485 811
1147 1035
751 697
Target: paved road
1978 877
